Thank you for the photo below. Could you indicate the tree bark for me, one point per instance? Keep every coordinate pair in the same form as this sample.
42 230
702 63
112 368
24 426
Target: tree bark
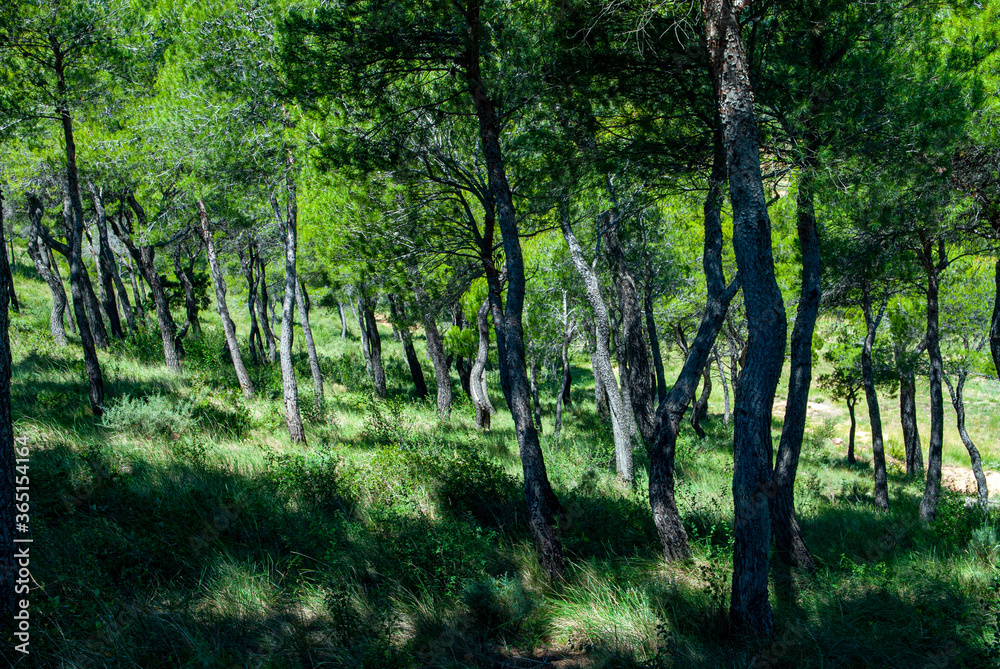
219 281
317 376
8 461
542 504
700 410
752 477
343 321
435 349
371 342
727 411
569 329
416 371
957 401
601 357
41 262
247 264
851 460
666 517
186 278
296 431
535 400
106 266
477 377
265 307
932 487
140 297
790 543
908 421
871 396
654 347
995 320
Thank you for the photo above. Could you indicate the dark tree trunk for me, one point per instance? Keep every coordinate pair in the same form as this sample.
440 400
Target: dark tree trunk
106 266
416 371
41 260
932 488
790 543
569 329
265 307
604 375
871 396
752 477
6 261
957 401
246 385
186 278
371 342
140 297
247 264
144 257
700 410
8 461
76 269
535 399
477 377
727 411
301 299
673 537
296 431
851 460
130 313
908 421
995 321
542 504
633 334
654 347
435 349
464 369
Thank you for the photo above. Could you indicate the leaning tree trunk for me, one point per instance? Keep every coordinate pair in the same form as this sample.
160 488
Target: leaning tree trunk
982 493
666 517
140 297
542 504
219 281
416 371
788 537
106 266
317 376
752 476
477 377
601 357
296 431
871 396
40 258
435 349
343 320
932 488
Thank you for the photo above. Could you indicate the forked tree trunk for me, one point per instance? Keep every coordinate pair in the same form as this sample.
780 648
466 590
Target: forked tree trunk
542 505
296 431
106 266
673 537
317 376
957 401
932 487
40 258
219 281
750 610
601 357
247 264
871 396
186 278
790 543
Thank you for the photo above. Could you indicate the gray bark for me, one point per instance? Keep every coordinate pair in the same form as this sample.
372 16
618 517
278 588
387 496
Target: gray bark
106 266
41 262
435 348
477 377
296 431
871 396
317 376
932 487
957 401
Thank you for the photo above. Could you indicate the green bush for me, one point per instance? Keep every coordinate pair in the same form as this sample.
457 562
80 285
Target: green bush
144 345
471 485
314 481
153 416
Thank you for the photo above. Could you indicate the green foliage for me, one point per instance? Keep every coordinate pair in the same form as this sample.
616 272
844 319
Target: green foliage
152 416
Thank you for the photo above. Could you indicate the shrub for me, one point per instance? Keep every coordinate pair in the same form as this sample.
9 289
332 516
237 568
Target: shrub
471 485
153 416
985 543
314 481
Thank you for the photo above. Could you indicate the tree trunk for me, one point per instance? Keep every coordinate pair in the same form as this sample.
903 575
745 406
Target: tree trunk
871 396
416 371
264 307
542 504
296 431
851 460
127 309
343 321
752 477
932 488
957 401
666 517
219 281
700 410
995 320
317 376
106 266
247 264
908 421
371 342
140 297
41 262
569 328
727 412
186 278
8 461
654 347
535 400
601 357
788 537
435 349
477 377
633 347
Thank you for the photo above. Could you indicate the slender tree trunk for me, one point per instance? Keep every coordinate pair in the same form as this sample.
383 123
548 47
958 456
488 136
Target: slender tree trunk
130 313
654 347
700 410
727 412
8 461
477 377
851 460
317 376
874 414
435 349
264 307
601 357
41 262
371 342
542 504
416 371
673 537
957 401
569 328
363 324
190 301
247 264
932 488
219 281
788 537
752 477
908 421
296 431
995 320
140 297
535 400
106 266
6 261
343 321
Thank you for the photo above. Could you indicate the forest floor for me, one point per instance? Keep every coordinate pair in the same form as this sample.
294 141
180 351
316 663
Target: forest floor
182 529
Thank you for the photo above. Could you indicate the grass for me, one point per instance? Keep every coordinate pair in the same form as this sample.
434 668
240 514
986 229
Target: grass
184 530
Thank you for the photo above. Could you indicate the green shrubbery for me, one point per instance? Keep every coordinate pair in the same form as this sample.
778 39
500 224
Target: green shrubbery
153 416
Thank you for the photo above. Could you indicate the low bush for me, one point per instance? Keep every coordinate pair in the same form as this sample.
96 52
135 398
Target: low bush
153 416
